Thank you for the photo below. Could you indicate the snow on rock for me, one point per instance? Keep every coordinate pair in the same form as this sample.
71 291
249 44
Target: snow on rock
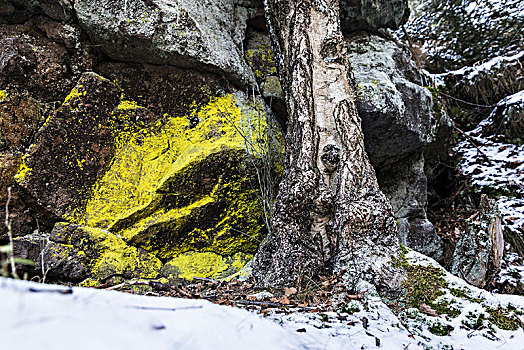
495 165
470 73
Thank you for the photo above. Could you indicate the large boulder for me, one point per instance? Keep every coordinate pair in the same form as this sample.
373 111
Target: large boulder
171 185
397 112
202 34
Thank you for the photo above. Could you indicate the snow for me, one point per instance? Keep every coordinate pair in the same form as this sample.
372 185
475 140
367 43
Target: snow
37 316
496 165
469 73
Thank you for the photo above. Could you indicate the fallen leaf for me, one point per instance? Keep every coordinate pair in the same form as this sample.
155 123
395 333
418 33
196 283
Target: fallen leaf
428 310
284 301
289 291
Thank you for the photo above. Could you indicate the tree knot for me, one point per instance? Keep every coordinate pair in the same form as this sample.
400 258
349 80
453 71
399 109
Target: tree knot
330 157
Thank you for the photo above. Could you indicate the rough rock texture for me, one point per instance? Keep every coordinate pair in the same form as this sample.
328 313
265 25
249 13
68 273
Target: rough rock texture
399 121
165 182
203 34
78 252
405 185
396 110
73 148
371 15
451 34
60 10
40 61
479 251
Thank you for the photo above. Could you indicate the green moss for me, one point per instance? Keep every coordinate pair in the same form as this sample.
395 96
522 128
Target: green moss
503 319
423 284
445 307
438 328
475 321
463 294
351 307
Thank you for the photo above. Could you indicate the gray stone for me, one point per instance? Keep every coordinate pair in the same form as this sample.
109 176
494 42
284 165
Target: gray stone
396 110
204 34
371 15
479 250
405 184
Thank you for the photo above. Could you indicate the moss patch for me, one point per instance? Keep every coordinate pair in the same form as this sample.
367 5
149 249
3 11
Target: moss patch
503 319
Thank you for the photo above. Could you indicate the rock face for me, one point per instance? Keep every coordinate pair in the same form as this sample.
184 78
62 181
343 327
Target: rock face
131 125
167 185
481 86
400 120
203 34
479 251
36 71
371 15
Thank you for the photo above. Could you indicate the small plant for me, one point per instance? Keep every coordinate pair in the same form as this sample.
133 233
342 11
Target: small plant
502 318
8 264
351 307
438 328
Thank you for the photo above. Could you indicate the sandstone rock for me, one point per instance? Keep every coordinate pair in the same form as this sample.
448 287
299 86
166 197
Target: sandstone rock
479 251
371 15
185 33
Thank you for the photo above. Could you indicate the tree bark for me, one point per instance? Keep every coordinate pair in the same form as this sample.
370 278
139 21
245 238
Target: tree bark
330 214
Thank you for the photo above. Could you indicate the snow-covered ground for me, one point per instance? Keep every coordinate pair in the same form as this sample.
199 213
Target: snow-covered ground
36 316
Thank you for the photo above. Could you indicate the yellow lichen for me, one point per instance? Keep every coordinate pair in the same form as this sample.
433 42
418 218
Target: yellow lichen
3 96
74 94
206 264
127 105
23 170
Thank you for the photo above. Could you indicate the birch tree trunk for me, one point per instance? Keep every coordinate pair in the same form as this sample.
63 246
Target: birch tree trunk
330 214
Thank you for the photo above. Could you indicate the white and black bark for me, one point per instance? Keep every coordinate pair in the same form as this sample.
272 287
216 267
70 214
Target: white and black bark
330 214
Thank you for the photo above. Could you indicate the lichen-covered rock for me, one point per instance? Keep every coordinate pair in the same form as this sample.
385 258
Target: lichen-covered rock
200 34
181 188
74 146
204 264
371 15
479 251
78 252
167 184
